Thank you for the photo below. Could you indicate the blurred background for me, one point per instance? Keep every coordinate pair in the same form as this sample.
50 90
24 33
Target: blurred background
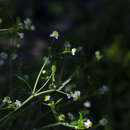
102 25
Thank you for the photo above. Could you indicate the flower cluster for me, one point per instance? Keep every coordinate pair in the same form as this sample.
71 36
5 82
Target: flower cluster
26 25
7 101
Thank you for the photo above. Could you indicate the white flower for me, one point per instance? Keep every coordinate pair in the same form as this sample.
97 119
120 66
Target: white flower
103 121
73 51
54 86
44 71
70 115
27 23
87 104
47 98
32 27
18 103
98 55
54 34
69 96
21 35
76 95
88 124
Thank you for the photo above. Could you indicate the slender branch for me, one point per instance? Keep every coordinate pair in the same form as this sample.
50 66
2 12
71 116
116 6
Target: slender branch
51 125
35 85
61 92
44 84
40 93
2 30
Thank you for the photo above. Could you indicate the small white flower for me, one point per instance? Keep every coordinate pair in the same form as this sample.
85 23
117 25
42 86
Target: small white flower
32 27
69 96
18 103
103 121
44 71
21 35
88 124
54 86
76 95
98 55
54 34
27 23
70 115
87 104
73 51
47 98
9 101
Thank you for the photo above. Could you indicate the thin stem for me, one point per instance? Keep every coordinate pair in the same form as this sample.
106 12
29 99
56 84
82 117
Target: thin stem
2 30
27 100
6 116
44 84
61 92
51 125
35 85
9 114
40 93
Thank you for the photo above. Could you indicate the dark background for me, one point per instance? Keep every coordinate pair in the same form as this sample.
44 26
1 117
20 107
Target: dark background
93 24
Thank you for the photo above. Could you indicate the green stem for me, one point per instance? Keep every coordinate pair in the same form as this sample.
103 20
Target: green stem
44 84
40 93
35 85
51 125
2 30
61 92
26 101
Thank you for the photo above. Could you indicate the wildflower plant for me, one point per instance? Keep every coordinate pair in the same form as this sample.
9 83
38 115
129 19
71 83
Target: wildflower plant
47 83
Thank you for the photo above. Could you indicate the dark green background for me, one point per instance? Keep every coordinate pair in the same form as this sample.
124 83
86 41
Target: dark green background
93 24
